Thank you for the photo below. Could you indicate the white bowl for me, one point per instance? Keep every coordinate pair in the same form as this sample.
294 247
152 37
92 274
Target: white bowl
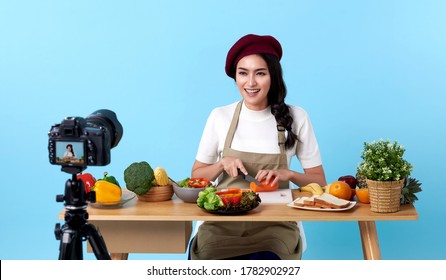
187 194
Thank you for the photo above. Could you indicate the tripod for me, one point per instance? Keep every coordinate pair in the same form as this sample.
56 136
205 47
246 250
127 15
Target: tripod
76 228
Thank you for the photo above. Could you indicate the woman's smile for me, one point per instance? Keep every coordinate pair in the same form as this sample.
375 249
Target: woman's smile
252 92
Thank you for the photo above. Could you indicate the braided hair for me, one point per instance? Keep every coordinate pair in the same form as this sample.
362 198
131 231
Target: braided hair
276 98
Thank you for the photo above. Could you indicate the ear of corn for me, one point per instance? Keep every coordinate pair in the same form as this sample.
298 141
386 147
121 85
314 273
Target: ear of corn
161 177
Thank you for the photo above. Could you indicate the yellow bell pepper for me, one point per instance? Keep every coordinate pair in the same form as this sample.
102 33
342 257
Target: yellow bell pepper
107 192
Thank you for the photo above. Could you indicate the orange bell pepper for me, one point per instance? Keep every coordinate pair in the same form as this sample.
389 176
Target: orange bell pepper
263 187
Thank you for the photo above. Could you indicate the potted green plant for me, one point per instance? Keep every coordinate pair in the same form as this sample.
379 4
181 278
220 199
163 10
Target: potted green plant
385 171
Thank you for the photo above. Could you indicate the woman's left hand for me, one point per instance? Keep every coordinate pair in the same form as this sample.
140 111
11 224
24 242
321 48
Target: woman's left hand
273 177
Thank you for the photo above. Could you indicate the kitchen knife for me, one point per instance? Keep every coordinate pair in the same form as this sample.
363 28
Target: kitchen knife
248 177
174 183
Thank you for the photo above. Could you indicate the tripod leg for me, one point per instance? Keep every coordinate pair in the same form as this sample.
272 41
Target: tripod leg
70 244
97 242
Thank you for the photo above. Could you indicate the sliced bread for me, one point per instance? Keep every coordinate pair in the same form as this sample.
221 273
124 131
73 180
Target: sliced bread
324 200
327 200
304 201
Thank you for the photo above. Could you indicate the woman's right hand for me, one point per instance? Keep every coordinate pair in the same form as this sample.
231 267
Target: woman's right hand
231 166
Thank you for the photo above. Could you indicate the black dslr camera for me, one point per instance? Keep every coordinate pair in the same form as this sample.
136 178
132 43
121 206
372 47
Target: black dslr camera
78 142
74 144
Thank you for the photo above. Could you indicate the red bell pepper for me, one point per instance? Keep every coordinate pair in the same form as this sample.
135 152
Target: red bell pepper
88 181
231 196
198 182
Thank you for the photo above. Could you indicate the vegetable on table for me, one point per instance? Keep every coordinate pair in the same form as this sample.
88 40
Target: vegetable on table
198 182
110 179
88 181
161 177
236 199
209 200
250 200
195 183
107 192
231 196
138 177
263 187
183 183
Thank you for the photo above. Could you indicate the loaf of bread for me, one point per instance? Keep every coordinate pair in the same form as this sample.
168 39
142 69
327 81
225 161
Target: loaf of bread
324 200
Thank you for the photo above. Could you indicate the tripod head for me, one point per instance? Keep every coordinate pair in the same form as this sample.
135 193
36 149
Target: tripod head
75 195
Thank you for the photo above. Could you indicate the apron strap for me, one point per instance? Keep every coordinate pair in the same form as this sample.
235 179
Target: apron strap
233 125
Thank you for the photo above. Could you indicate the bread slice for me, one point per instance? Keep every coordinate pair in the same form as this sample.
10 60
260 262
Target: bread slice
304 201
326 200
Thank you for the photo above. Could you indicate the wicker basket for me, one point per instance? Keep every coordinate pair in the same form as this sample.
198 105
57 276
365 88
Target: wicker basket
157 193
385 195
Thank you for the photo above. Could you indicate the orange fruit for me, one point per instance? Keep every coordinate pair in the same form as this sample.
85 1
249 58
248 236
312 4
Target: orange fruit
341 190
363 195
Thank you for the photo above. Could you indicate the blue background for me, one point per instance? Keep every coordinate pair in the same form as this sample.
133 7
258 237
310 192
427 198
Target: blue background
363 70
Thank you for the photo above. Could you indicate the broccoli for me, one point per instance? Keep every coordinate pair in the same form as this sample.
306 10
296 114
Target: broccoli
138 177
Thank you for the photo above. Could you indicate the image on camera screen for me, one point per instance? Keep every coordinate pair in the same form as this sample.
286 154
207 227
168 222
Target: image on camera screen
70 152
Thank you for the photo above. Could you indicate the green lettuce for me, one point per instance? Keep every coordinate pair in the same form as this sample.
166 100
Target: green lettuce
209 200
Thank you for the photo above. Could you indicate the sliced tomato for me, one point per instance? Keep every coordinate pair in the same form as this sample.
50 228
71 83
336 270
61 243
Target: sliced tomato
198 182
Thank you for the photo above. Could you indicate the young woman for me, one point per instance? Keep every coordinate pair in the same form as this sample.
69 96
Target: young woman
69 153
258 135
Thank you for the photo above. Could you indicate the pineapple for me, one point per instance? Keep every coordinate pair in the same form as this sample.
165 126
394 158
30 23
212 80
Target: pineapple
410 187
360 181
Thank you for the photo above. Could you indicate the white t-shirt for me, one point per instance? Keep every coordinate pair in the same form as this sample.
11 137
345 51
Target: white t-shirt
257 132
68 154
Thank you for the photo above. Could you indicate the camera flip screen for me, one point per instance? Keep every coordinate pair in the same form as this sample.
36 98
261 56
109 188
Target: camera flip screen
70 153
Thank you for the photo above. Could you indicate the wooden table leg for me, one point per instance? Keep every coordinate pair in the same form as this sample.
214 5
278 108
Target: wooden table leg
369 239
119 256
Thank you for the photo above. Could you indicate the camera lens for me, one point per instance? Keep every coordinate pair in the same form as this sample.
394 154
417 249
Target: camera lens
107 119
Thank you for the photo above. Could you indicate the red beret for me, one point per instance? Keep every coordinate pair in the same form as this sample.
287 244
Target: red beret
251 44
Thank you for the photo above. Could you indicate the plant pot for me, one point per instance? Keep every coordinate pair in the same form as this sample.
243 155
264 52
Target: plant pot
157 193
385 195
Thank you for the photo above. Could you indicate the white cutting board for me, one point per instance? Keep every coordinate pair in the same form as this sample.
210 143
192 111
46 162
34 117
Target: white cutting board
278 196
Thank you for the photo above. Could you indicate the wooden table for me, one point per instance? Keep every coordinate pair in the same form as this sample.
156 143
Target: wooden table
166 227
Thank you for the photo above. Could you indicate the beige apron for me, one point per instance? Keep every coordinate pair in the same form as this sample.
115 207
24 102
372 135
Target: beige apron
220 240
